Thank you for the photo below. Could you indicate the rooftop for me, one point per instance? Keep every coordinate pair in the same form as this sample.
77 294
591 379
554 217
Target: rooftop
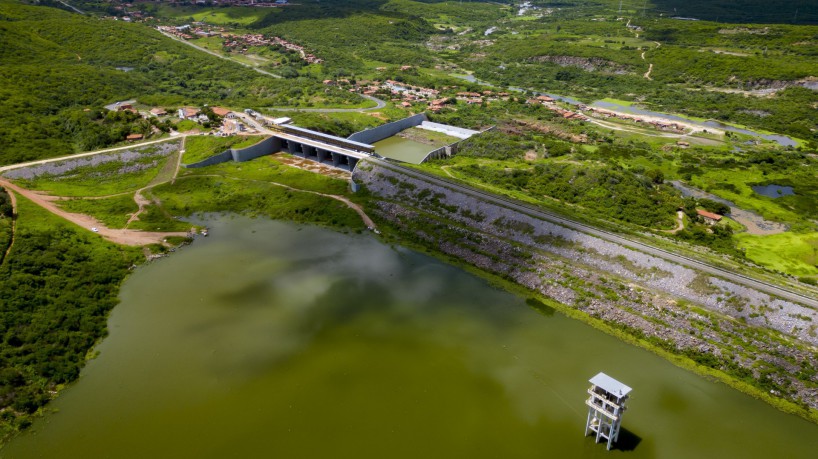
610 385
709 215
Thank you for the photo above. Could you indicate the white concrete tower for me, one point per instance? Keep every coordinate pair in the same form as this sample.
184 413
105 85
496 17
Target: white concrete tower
606 404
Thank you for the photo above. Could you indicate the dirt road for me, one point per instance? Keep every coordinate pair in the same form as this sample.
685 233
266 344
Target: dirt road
119 236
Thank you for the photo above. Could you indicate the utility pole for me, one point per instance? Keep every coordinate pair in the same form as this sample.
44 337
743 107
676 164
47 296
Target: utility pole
620 7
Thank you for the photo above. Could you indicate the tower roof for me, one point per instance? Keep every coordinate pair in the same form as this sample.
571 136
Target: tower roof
610 385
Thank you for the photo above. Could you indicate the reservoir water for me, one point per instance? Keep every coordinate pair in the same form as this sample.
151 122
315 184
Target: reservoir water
406 150
274 340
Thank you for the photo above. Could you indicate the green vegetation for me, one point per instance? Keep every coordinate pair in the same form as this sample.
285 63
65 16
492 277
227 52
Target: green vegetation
236 16
198 148
260 187
268 169
56 289
57 64
113 211
792 253
60 69
605 191
99 175
6 222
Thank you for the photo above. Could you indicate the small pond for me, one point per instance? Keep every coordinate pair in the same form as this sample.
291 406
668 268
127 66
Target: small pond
773 191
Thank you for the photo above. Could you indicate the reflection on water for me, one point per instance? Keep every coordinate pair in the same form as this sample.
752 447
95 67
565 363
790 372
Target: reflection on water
272 340
773 191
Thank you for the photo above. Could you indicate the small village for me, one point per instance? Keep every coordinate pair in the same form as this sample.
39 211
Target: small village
239 43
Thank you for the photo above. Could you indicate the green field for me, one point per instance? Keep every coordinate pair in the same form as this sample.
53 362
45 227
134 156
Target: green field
233 16
789 253
100 175
198 148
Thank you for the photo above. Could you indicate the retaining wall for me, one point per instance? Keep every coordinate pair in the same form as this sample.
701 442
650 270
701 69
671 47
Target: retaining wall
265 147
451 149
222 157
370 136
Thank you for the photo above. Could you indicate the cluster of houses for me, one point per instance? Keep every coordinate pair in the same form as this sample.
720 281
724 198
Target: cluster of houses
240 43
658 124
253 3
184 32
231 124
409 95
550 103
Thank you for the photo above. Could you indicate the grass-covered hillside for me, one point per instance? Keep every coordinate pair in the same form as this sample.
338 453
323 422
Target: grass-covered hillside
54 65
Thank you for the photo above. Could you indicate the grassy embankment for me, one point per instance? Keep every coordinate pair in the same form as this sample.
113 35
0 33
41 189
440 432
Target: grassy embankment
262 187
258 187
100 175
198 148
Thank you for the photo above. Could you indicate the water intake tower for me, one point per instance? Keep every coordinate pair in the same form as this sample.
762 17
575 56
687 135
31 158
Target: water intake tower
606 404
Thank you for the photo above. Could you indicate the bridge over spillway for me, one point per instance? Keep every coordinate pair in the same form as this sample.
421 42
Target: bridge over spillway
323 148
316 146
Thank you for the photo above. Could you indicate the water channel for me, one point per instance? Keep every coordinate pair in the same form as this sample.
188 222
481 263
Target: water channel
274 340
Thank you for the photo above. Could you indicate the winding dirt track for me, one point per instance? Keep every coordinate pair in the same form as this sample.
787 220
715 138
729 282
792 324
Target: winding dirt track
119 236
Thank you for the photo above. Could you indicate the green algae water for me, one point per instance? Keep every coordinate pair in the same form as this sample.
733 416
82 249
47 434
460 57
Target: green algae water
406 150
274 340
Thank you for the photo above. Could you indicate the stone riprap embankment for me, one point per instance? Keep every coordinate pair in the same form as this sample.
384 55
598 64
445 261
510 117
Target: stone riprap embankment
132 160
715 322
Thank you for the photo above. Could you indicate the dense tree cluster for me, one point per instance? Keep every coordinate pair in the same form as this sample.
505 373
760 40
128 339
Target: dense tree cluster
609 191
56 289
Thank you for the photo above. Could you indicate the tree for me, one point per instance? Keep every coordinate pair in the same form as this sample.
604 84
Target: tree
656 176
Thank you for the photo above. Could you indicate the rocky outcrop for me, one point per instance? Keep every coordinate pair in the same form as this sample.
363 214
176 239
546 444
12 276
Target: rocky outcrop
589 64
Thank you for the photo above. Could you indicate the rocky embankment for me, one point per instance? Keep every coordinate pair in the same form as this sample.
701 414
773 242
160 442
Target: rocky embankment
766 341
589 64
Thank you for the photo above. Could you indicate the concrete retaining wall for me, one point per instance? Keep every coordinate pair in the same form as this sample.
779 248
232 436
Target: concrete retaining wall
222 157
370 136
451 149
265 147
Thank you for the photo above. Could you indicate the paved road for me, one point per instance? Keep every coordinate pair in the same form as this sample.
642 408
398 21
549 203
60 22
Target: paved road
264 72
605 235
71 6
379 104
